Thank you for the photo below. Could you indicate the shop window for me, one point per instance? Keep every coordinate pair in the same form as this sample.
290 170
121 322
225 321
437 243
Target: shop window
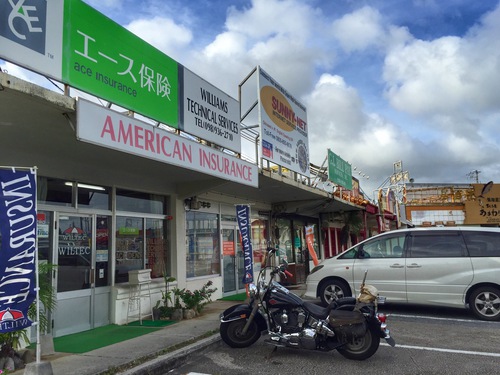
134 201
203 252
129 246
69 193
156 248
259 240
54 191
44 235
285 243
93 196
103 249
137 248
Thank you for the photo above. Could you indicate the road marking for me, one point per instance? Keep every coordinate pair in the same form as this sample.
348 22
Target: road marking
444 350
437 318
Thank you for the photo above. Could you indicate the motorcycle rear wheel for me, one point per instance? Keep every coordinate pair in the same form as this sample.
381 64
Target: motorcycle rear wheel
231 333
361 348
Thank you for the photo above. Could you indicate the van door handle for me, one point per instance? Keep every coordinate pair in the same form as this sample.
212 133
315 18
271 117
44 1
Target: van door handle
414 265
397 265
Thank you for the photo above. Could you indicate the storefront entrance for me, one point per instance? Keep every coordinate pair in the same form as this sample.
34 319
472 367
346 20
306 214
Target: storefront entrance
82 259
232 260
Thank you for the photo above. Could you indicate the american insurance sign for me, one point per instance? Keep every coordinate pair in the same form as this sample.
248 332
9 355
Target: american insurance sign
107 128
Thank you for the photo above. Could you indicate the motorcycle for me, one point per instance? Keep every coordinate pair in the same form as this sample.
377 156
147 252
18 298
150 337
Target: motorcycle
350 325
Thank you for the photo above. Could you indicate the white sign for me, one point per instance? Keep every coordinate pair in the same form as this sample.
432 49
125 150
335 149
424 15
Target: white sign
209 113
283 124
32 35
104 127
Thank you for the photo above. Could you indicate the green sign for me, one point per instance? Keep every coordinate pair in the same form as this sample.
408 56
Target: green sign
108 61
339 171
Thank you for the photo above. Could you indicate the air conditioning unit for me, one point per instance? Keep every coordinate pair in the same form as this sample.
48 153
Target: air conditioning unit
194 204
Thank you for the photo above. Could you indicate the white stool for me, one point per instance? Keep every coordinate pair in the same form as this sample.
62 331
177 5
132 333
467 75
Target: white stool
140 282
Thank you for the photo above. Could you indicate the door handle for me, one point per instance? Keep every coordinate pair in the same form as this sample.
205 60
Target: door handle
414 265
397 265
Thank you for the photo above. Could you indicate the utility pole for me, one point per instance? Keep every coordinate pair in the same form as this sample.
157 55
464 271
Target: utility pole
474 175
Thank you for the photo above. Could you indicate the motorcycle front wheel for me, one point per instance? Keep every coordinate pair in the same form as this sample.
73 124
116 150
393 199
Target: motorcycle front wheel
361 348
232 333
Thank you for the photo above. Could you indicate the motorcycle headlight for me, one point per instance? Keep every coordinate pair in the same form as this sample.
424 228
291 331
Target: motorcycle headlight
252 289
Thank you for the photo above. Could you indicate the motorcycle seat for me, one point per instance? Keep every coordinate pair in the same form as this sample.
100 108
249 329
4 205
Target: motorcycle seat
317 311
320 312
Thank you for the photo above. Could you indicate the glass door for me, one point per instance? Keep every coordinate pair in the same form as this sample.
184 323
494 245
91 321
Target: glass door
81 240
232 260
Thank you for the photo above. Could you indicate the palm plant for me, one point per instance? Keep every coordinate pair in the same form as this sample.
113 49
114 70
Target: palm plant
47 296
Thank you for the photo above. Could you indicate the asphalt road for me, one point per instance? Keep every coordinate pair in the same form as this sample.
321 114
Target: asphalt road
429 341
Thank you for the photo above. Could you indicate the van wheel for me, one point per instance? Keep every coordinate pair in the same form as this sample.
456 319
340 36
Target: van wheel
484 303
331 290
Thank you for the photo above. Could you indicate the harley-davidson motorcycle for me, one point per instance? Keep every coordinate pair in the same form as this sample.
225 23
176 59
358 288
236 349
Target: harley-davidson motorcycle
350 325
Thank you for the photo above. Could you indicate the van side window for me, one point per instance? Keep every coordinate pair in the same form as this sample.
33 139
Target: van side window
437 245
385 247
482 244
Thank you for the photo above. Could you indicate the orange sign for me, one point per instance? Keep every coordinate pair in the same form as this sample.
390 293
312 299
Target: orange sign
228 248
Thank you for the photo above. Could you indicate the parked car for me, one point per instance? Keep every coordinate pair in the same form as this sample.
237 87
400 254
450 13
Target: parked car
441 266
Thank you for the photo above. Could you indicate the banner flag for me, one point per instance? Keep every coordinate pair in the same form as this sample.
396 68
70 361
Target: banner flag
310 241
17 247
243 216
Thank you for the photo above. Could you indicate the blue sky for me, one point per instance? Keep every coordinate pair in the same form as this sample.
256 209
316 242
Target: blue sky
383 80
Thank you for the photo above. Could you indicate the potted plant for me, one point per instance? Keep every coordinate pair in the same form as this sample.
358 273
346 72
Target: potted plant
177 313
162 309
10 359
196 300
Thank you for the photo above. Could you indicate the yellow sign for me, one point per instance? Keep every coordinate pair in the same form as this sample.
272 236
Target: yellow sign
486 208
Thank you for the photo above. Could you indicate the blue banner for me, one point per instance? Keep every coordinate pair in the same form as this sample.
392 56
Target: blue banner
17 247
243 216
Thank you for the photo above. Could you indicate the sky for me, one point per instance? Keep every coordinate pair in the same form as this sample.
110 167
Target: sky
383 80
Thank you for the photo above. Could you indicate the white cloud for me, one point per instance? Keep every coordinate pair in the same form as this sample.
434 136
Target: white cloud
448 74
359 30
163 33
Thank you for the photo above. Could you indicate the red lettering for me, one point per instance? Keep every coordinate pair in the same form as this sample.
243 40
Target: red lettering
125 136
138 137
108 128
149 138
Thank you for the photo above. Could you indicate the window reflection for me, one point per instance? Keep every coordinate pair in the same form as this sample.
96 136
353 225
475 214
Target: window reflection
202 234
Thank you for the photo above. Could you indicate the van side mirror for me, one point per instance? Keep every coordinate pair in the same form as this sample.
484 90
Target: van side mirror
363 254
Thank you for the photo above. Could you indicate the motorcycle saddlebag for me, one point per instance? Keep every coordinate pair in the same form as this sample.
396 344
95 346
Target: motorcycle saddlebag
347 325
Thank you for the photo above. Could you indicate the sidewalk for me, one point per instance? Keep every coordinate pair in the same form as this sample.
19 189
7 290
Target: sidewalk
152 353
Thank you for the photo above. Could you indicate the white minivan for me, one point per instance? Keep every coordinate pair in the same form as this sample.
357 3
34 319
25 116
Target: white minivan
442 266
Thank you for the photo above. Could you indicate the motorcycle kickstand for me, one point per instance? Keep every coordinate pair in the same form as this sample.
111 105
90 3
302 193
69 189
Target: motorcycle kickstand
275 349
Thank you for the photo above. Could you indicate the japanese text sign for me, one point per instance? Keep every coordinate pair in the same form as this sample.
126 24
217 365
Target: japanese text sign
339 171
106 60
485 209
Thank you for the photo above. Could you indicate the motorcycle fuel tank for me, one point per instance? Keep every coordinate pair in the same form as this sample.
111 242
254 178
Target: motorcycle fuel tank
281 296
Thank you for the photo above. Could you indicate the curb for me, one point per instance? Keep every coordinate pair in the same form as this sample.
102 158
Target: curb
177 358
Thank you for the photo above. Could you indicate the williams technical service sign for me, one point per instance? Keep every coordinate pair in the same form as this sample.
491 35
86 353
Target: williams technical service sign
209 113
283 124
31 33
104 127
